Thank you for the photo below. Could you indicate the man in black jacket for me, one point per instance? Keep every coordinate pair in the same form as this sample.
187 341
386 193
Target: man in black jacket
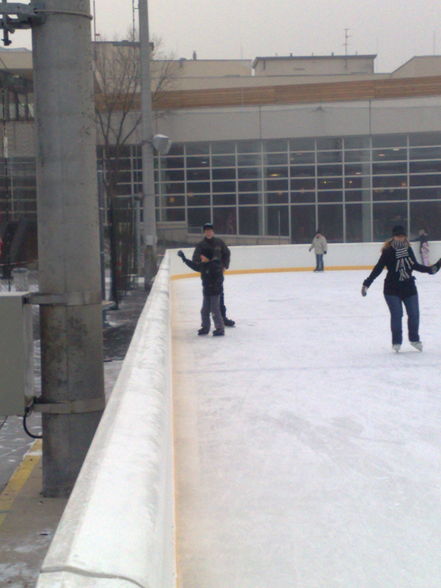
220 251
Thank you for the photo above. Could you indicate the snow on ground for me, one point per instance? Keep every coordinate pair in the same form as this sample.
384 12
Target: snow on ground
308 453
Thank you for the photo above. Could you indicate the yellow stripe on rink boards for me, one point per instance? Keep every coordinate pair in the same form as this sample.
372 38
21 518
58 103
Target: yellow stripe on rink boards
274 270
19 479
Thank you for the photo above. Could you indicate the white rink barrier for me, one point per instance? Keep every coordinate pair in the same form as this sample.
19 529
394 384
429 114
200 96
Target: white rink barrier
118 527
257 258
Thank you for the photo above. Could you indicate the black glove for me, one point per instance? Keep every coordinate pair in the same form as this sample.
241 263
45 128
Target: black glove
181 254
364 290
435 267
325 252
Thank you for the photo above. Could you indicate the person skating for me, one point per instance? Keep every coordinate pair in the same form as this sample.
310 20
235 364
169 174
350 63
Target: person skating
399 286
220 251
212 277
320 246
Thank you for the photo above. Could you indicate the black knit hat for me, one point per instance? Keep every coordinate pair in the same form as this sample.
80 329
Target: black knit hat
208 226
398 230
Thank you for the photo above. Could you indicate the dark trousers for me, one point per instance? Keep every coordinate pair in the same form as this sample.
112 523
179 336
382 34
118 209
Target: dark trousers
223 309
395 304
210 305
319 262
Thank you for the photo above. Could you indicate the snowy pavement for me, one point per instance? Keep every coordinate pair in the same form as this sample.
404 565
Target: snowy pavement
308 454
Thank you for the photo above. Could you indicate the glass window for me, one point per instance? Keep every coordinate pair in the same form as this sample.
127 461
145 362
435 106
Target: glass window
395 154
302 196
172 201
198 161
357 195
198 174
198 199
249 172
354 182
224 187
277 220
223 147
425 193
172 175
223 173
389 141
359 142
276 185
198 187
425 180
329 183
385 216
358 223
172 162
197 217
305 183
302 144
249 220
329 170
223 160
329 143
174 214
174 188
359 169
425 153
389 194
224 199
197 148
276 158
253 159
390 181
302 171
176 149
275 145
426 215
359 155
248 147
425 167
225 220
276 197
389 168
330 221
330 196
249 185
302 157
249 198
303 223
425 139
329 156
276 172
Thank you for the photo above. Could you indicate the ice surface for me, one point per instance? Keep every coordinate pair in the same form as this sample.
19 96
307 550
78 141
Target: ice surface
308 453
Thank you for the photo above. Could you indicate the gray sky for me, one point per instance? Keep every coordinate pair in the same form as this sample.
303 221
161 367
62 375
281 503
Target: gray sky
392 29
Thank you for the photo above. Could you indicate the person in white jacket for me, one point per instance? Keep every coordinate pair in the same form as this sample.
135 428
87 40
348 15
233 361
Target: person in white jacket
320 246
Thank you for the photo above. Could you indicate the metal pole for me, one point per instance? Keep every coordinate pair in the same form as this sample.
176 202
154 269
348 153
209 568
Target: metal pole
148 183
68 241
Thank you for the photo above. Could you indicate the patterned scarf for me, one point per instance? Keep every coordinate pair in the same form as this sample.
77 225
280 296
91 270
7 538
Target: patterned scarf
404 262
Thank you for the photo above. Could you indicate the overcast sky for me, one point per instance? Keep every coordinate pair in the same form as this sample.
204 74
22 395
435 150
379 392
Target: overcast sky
395 30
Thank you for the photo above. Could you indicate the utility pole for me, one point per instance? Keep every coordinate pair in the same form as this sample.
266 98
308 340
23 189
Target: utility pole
68 240
148 181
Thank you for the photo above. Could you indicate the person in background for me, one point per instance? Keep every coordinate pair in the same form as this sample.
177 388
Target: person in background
424 246
220 251
212 277
320 246
399 286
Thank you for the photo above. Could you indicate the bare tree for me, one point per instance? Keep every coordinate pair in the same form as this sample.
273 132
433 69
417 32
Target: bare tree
118 116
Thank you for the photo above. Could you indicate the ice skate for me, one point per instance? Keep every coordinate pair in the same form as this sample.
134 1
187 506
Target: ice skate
218 333
417 344
203 331
396 347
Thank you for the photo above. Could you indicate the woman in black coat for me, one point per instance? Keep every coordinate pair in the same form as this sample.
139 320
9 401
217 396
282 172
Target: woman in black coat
399 285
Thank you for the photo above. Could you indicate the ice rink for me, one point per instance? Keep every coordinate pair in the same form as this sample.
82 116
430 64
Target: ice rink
308 453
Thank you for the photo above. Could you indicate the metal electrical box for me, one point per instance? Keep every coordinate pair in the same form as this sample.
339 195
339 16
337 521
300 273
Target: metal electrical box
16 352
